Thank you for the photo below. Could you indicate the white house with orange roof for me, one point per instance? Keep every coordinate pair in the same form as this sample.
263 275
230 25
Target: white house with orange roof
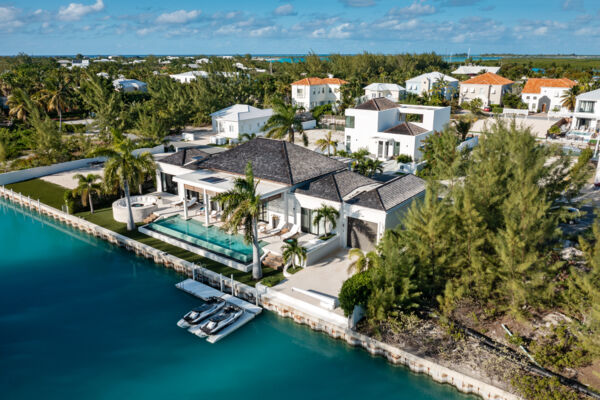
543 95
488 87
312 92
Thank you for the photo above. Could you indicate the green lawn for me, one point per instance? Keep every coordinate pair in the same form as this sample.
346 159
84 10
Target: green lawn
52 195
48 193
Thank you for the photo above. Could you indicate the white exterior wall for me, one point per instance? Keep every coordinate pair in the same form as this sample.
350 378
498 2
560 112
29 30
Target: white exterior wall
489 94
420 86
580 117
393 95
551 97
312 96
232 129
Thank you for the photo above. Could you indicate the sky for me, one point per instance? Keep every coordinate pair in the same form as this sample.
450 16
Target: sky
116 27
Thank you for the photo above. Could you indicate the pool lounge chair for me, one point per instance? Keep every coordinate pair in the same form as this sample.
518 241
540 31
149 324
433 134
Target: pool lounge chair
291 233
278 229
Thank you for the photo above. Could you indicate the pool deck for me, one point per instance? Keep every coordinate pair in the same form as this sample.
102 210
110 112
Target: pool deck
203 291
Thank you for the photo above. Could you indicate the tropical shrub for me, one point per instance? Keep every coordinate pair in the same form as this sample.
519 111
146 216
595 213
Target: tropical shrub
355 290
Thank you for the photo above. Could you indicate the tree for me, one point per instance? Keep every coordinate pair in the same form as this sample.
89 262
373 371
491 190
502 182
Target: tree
57 94
328 214
122 168
462 127
327 143
292 251
17 104
241 207
355 290
246 137
569 99
86 186
150 126
475 105
511 100
284 122
100 97
367 166
363 261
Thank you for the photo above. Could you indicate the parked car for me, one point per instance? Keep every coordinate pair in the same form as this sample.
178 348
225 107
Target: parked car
487 109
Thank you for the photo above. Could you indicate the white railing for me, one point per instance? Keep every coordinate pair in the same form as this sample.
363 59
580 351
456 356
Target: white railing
515 111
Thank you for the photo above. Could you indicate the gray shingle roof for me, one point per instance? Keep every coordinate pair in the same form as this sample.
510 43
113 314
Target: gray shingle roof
187 158
391 193
378 104
406 128
274 160
335 186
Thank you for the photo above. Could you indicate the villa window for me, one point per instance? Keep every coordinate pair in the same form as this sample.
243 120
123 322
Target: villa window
262 212
348 143
472 90
299 93
230 128
349 121
306 222
493 91
168 185
586 107
330 91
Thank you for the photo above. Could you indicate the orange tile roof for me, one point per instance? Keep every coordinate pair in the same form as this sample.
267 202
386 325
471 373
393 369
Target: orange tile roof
535 85
488 78
320 81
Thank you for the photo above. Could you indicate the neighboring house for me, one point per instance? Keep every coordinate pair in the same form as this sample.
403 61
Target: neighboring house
232 121
130 85
293 182
80 63
312 92
543 95
426 83
390 91
587 112
187 77
388 129
104 75
473 70
488 87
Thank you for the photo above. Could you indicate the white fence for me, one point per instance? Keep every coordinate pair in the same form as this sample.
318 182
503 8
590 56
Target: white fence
515 111
32 173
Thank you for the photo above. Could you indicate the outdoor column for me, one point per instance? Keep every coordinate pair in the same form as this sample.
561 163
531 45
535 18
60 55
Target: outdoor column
185 208
208 207
205 207
285 206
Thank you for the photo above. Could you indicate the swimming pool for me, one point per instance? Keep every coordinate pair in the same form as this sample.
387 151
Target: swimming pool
209 237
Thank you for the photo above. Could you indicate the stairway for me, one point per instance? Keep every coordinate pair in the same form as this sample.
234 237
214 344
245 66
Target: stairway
150 218
273 261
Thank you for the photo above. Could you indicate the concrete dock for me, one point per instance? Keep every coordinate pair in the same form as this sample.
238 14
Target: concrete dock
203 292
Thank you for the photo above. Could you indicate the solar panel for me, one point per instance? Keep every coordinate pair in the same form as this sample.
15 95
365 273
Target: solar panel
213 179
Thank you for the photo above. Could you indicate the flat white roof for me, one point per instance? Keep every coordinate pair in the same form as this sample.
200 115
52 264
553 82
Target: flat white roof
383 86
433 75
474 69
240 112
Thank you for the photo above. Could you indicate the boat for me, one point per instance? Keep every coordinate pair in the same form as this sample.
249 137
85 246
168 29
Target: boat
199 314
214 324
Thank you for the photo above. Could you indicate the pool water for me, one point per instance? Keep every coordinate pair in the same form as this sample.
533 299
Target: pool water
83 319
211 238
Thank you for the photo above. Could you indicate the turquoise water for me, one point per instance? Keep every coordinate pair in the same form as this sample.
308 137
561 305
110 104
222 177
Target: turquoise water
82 319
211 238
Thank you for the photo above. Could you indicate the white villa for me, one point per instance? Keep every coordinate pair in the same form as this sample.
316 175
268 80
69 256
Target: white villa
390 91
388 129
425 83
130 85
233 121
587 112
473 70
187 77
293 182
543 95
488 87
312 92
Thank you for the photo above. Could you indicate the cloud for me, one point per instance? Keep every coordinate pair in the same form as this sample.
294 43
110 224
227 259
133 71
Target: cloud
358 3
264 31
178 17
572 5
419 7
9 19
76 11
285 10
458 3
342 31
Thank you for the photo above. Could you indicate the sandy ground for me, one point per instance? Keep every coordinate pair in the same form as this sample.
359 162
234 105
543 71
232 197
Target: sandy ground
538 126
66 180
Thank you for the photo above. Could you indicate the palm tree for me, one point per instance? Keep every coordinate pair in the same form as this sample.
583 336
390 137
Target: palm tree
246 137
18 102
146 168
57 95
86 186
241 207
368 166
122 168
328 214
284 122
363 261
292 251
463 126
569 99
327 143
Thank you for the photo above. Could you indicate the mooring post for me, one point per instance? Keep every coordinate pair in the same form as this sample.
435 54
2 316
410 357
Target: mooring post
256 296
221 281
39 207
232 288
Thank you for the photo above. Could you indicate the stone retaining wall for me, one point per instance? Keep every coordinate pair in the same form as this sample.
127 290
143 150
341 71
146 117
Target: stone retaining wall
393 354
